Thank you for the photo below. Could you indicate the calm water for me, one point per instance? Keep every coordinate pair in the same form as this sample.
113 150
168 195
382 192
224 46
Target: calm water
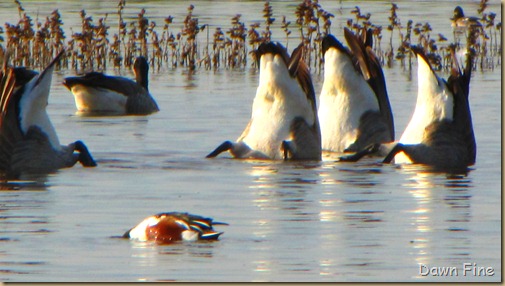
288 221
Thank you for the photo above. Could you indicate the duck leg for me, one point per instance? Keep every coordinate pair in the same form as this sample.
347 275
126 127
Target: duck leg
370 149
225 146
84 155
397 149
286 149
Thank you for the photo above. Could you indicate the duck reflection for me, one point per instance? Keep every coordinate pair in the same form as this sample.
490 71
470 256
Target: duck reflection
285 193
149 255
440 218
301 201
26 182
284 186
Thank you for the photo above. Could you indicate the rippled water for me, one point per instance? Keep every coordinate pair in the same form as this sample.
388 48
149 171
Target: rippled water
322 221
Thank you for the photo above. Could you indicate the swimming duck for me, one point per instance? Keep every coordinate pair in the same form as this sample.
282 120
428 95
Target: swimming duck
459 21
96 92
284 123
174 226
440 132
354 109
28 140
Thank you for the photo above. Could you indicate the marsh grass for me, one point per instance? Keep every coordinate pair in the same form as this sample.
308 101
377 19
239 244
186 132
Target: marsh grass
192 45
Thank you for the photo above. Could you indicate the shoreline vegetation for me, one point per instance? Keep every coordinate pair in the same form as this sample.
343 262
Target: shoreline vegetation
192 45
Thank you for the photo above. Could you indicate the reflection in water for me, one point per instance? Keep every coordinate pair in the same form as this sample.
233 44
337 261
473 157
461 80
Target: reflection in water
440 218
282 191
361 174
149 255
19 218
287 199
282 185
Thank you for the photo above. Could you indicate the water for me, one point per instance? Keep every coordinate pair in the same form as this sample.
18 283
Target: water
288 221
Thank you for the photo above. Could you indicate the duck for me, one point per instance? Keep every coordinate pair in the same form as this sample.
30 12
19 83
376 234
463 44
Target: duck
460 22
440 133
284 123
354 109
97 93
28 141
169 227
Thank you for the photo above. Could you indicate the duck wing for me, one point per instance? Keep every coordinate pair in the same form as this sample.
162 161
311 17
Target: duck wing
10 130
298 68
371 70
306 140
118 84
459 84
203 225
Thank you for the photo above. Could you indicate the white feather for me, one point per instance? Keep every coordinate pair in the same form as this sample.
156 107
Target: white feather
139 231
344 97
90 99
190 235
279 99
33 107
434 103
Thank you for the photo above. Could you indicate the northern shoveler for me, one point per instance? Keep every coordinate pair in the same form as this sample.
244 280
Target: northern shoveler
96 92
284 123
354 109
174 226
28 140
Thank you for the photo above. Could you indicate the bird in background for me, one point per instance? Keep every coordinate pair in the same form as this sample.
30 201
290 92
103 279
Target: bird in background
97 93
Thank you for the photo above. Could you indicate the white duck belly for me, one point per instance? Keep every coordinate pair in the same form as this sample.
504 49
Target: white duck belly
434 103
279 99
33 108
344 98
90 99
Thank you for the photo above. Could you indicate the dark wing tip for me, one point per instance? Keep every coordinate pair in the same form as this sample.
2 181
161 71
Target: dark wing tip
219 223
329 41
210 235
127 234
23 75
89 79
419 51
272 48
51 65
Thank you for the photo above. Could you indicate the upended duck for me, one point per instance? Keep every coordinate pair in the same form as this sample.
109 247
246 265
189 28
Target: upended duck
98 93
28 140
170 227
440 133
284 123
354 109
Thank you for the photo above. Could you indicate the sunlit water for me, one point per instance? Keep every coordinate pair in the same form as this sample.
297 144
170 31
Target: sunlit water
288 221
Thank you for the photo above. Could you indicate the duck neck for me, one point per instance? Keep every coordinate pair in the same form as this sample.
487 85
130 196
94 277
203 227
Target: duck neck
142 79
